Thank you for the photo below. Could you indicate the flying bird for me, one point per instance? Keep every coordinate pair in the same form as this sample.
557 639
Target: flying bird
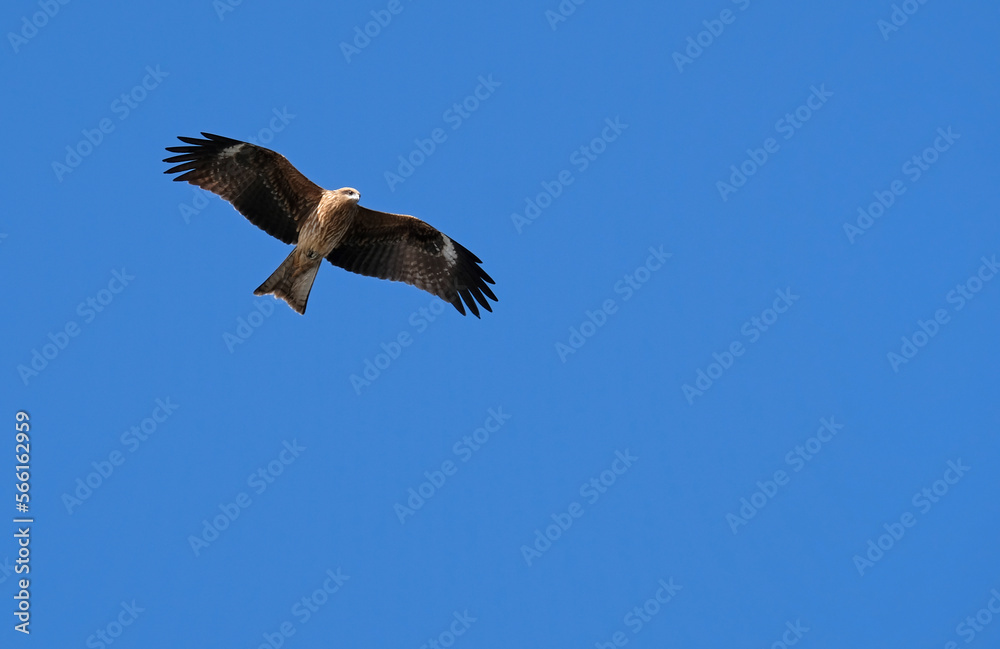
273 195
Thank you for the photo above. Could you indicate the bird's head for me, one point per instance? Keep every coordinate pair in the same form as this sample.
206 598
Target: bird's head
350 194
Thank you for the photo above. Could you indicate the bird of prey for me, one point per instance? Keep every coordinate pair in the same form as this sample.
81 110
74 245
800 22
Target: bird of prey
273 195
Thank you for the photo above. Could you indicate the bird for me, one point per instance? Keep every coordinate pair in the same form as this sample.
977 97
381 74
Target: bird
272 194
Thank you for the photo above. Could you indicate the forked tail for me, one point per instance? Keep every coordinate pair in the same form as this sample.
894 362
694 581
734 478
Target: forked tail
293 280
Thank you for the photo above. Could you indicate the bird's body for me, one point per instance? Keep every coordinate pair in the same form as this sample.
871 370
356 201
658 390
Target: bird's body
328 224
319 233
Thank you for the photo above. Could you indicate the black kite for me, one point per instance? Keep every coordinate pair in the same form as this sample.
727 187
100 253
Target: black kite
273 195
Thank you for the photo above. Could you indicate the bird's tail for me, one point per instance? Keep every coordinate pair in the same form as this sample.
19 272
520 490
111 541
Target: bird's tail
293 280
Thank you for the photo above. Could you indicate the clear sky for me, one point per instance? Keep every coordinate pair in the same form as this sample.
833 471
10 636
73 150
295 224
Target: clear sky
739 389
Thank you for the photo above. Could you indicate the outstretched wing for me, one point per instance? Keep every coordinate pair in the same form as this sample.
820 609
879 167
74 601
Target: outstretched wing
405 249
260 183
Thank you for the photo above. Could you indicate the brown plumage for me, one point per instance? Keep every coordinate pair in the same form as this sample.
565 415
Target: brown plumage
273 195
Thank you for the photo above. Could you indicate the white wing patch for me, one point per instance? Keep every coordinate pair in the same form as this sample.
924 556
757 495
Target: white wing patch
449 252
231 151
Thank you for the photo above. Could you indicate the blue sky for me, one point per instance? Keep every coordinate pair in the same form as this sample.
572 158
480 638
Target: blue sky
738 389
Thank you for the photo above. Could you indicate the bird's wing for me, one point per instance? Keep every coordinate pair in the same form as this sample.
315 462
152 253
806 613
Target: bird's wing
260 183
405 249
